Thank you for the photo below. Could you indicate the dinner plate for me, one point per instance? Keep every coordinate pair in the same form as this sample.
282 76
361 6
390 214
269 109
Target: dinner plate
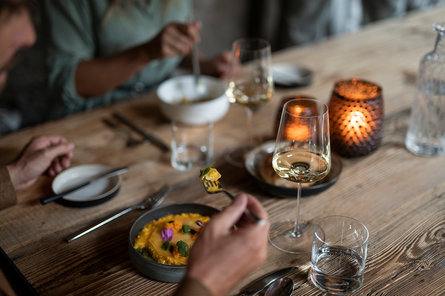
96 193
149 267
291 75
255 157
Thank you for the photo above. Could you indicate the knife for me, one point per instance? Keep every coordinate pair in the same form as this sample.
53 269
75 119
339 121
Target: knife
150 201
105 175
150 137
265 280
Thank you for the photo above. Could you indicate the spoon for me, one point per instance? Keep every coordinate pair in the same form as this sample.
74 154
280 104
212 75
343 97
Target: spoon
280 287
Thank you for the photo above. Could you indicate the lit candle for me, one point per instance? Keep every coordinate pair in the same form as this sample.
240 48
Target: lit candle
356 117
296 130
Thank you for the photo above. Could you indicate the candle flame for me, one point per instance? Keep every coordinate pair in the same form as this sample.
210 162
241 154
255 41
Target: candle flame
297 132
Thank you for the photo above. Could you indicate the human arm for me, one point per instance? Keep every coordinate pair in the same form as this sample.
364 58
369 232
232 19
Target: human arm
222 256
46 154
175 39
217 66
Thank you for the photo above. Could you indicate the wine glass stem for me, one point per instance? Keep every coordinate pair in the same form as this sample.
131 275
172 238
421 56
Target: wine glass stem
249 115
296 232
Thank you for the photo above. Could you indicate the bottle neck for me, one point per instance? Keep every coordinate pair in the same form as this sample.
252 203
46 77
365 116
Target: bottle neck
439 46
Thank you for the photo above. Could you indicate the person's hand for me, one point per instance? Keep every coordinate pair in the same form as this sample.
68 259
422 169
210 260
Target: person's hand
175 39
46 154
218 66
222 255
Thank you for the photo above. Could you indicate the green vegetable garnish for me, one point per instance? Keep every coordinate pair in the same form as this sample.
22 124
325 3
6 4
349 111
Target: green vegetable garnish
204 171
183 248
185 229
165 245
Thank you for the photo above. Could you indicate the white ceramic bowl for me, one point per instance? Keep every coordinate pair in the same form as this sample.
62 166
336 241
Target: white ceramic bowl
182 101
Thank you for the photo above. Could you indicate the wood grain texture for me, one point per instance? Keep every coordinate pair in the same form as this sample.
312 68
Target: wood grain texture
400 197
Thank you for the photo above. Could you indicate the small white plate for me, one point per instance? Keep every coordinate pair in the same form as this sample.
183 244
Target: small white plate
93 194
289 75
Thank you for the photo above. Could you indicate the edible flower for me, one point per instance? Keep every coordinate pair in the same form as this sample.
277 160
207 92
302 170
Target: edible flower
167 234
176 225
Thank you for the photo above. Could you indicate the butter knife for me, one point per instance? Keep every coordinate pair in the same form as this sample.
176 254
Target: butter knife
105 175
151 201
265 280
150 137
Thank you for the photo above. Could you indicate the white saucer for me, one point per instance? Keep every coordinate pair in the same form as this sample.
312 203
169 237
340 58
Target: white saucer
289 75
93 194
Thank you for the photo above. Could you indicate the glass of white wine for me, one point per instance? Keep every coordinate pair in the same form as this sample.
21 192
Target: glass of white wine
303 155
250 81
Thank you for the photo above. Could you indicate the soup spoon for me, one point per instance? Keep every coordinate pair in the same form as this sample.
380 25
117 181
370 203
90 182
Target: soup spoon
280 287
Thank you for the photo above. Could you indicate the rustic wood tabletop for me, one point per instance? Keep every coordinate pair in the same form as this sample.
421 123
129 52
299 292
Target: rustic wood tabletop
399 196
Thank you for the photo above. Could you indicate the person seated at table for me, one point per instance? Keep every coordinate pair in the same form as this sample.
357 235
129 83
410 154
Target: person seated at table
223 256
103 51
47 154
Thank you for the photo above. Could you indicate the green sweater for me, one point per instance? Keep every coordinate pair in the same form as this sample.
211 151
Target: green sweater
78 30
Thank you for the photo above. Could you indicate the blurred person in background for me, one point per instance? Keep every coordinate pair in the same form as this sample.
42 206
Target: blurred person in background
47 154
99 52
307 21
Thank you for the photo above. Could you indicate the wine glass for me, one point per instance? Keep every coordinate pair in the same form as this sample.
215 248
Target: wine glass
250 82
303 155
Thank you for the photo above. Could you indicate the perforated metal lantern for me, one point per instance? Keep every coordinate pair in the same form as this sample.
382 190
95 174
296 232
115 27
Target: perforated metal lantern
356 117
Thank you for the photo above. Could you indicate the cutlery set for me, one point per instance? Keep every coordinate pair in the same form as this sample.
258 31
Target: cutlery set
131 140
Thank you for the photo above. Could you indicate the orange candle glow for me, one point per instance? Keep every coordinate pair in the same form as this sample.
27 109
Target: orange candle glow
296 130
356 117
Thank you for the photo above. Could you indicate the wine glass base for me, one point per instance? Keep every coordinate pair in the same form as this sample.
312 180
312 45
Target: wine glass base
281 237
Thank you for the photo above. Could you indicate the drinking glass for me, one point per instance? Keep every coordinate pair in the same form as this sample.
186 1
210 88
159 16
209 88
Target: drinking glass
250 82
339 255
191 145
303 155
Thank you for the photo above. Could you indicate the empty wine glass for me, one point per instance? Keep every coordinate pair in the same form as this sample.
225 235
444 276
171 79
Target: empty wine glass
303 155
250 82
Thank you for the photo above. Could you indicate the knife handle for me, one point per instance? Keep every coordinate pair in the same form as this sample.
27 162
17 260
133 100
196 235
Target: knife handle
121 213
137 129
49 199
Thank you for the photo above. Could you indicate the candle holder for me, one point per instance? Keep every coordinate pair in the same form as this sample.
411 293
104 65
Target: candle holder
356 117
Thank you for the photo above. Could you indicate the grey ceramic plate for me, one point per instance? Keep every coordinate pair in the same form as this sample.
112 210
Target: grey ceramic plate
254 158
291 75
149 267
96 193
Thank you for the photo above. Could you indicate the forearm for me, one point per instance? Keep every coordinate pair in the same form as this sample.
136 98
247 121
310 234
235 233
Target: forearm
99 76
7 192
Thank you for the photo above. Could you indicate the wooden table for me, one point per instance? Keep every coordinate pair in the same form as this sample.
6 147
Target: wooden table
399 196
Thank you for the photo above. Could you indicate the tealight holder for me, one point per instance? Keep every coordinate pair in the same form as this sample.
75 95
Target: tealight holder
356 117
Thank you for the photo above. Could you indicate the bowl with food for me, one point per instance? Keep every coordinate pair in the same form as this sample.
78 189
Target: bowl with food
160 240
182 99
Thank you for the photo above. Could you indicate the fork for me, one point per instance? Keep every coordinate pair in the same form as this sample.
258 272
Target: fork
151 201
213 187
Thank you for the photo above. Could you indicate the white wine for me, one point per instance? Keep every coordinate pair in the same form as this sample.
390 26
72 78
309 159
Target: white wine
301 166
250 94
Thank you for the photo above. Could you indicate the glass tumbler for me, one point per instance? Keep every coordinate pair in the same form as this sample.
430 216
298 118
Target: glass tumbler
191 145
339 254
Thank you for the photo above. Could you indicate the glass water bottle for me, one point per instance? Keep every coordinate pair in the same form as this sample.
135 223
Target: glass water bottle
426 131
